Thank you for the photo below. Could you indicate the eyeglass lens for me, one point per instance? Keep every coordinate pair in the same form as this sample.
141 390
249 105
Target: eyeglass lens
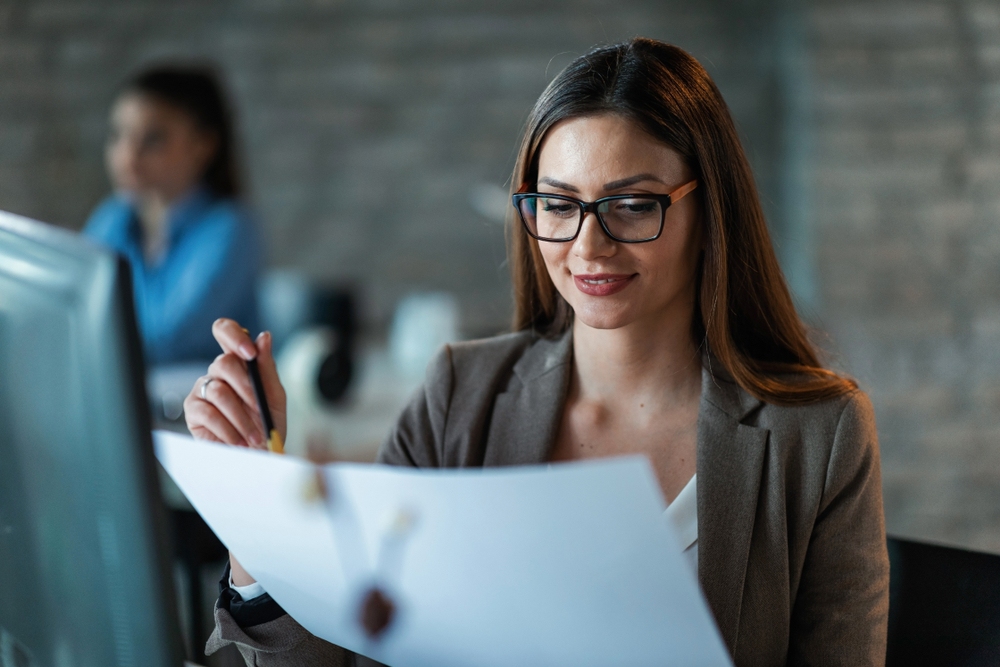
630 219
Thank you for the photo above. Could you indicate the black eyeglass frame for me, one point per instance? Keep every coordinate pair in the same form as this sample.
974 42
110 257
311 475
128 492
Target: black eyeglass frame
666 201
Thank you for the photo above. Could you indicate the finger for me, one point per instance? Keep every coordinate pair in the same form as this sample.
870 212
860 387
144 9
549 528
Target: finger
205 421
269 371
232 407
233 338
202 433
232 370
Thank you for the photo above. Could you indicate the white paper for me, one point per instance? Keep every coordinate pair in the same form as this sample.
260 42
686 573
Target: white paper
569 564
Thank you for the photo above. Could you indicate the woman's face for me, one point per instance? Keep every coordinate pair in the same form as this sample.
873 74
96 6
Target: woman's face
156 149
610 284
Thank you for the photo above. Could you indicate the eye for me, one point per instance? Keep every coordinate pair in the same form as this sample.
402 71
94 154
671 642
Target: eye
637 206
153 140
557 207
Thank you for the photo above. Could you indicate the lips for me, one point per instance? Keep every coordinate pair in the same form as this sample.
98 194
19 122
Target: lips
602 284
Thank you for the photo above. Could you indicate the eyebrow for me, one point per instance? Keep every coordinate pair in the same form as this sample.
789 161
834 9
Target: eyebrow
613 185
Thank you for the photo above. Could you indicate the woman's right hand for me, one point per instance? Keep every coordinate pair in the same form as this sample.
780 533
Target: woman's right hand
222 406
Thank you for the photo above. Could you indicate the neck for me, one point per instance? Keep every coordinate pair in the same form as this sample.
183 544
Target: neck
152 211
654 361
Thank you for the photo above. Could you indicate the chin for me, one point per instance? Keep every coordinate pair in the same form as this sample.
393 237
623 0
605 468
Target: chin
601 318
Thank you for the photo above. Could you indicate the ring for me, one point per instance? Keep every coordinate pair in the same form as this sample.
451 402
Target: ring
204 387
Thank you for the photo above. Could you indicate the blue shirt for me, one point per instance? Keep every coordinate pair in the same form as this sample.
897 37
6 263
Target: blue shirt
208 270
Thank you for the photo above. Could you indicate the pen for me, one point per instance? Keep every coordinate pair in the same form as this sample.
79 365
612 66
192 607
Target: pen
274 443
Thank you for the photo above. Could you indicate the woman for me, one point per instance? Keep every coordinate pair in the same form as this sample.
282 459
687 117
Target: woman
651 317
176 213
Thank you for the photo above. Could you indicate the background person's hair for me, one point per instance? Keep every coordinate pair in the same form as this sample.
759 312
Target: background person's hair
197 91
744 312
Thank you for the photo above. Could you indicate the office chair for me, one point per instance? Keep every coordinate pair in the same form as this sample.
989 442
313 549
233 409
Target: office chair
944 606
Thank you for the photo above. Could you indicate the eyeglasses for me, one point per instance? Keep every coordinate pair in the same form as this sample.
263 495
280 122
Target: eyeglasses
624 218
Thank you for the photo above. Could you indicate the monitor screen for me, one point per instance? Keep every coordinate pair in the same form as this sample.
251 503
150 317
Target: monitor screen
84 560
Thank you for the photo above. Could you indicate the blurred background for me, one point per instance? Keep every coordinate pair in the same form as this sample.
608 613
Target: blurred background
377 139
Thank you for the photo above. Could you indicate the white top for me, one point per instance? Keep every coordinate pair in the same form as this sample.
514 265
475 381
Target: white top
248 592
682 515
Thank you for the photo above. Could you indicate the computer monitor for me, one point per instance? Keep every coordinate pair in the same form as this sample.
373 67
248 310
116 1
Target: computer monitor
84 556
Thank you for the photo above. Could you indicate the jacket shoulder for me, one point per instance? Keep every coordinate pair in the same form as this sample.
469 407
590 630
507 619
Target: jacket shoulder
816 438
447 422
472 358
108 219
827 415
228 212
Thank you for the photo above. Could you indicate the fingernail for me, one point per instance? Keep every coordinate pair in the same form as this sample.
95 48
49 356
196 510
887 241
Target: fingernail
256 439
248 351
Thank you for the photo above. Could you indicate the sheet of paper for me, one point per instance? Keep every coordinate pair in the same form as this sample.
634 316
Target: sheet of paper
570 564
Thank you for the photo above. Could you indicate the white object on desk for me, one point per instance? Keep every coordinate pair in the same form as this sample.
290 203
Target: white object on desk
355 429
564 565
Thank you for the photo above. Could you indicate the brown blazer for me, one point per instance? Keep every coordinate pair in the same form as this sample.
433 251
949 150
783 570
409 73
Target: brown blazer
791 539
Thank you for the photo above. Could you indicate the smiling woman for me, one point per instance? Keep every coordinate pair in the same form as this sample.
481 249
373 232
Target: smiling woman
745 315
651 318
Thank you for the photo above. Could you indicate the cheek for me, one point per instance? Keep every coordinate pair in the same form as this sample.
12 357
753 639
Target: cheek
120 164
554 255
183 158
677 261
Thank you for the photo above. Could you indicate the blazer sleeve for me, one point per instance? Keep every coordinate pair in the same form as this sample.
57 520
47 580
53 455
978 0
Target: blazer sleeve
277 643
417 439
840 615
268 637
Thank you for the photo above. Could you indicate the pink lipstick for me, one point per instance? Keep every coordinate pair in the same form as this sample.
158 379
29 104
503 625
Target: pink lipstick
602 284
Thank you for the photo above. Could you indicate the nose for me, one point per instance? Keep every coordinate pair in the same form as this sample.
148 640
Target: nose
592 242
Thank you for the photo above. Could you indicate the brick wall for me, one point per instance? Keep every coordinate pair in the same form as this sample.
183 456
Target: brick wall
907 191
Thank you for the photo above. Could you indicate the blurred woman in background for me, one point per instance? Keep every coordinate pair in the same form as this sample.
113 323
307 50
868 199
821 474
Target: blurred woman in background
176 212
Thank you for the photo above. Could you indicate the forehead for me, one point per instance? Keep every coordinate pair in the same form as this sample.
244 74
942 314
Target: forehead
605 148
138 108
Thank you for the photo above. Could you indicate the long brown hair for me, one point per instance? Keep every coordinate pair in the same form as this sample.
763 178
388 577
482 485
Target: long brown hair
745 316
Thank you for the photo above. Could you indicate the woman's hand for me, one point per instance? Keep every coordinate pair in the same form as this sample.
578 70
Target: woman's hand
239 576
222 406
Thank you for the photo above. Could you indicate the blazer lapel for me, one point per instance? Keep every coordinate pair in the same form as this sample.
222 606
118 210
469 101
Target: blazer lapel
526 417
730 463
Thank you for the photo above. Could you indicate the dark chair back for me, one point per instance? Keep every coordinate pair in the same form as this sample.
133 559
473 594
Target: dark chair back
944 606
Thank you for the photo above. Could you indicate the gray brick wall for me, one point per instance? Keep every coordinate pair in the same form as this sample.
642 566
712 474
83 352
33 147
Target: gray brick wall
907 192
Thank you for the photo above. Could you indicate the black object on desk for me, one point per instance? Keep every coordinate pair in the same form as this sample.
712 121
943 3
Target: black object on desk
944 606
